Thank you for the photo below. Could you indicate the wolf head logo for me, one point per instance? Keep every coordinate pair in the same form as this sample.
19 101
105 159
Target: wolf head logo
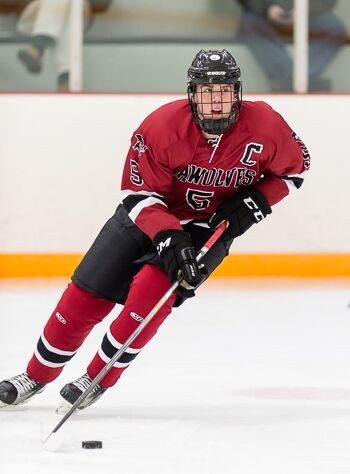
139 146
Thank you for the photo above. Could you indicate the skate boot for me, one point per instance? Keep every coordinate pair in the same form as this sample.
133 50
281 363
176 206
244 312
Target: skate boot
72 391
18 390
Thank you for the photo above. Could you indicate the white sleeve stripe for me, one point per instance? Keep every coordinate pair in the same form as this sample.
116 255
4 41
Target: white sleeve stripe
186 221
290 185
202 224
296 175
141 205
293 181
127 192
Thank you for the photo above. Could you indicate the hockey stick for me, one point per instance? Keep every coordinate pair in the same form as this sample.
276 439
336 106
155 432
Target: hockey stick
206 247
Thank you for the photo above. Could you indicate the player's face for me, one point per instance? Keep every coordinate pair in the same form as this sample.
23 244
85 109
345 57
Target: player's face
214 101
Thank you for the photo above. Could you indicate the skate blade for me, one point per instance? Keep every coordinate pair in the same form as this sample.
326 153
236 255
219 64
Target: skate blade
20 407
64 407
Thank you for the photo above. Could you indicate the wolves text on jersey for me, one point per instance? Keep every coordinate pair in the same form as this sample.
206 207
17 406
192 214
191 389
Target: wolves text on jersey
216 177
304 150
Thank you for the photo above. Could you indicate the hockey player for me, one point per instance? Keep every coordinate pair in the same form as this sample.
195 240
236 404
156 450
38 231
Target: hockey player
192 163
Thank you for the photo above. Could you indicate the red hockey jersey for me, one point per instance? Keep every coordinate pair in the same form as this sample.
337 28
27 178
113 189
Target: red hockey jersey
173 175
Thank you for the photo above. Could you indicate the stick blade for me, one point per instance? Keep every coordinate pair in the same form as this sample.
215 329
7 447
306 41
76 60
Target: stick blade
53 442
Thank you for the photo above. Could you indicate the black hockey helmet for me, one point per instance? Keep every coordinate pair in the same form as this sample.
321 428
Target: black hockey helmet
214 67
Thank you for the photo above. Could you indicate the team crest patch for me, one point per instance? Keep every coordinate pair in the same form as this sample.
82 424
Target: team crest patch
139 146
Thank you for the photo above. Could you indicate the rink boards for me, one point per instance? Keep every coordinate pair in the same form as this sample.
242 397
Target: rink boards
62 158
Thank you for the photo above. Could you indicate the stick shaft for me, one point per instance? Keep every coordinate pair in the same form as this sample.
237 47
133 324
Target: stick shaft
207 246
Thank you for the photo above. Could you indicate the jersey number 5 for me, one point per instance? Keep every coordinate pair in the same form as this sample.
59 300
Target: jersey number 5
198 199
135 177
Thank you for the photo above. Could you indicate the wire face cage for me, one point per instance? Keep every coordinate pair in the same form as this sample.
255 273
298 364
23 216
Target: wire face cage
214 90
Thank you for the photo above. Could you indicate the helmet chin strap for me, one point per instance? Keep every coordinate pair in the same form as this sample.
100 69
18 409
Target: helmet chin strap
215 127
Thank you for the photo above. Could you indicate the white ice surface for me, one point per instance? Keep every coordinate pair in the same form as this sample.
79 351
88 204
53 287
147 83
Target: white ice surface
250 377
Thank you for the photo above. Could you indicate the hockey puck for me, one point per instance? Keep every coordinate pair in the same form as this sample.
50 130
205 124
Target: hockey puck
91 444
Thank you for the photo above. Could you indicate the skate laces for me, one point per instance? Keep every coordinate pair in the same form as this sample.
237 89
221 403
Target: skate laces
84 382
23 384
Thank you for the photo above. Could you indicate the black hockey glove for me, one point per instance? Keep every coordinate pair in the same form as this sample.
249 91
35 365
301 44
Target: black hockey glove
247 207
179 258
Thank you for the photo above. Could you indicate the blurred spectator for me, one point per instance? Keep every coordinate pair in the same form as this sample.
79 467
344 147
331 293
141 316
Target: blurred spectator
265 26
12 6
47 22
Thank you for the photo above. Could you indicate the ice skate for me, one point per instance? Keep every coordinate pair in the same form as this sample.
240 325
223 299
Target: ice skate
72 391
18 390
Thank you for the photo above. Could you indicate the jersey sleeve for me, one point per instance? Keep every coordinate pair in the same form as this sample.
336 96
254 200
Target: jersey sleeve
146 180
288 160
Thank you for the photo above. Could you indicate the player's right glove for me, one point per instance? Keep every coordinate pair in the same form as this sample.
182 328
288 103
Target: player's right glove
179 259
245 208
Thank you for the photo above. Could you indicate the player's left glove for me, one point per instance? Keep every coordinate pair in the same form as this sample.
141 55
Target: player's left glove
245 208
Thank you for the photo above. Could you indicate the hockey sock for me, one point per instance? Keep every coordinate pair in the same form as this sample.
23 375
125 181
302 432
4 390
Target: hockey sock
75 315
148 286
